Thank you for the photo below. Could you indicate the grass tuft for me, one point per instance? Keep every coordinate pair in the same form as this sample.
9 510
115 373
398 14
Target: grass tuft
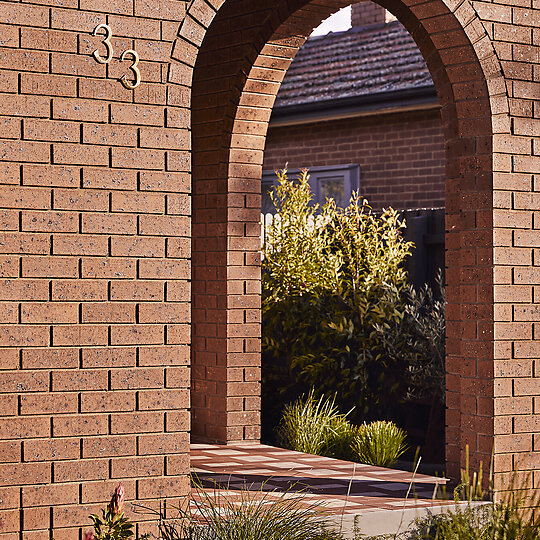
246 515
315 426
379 443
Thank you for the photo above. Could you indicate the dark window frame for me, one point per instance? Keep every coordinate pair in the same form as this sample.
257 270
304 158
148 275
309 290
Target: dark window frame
349 172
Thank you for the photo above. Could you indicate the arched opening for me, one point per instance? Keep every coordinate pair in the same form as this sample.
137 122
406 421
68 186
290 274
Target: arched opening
241 64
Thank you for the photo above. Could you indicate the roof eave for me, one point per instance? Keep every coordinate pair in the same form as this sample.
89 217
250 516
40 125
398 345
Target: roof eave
410 99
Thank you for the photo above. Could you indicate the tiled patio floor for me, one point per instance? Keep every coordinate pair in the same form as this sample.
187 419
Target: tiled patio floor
344 488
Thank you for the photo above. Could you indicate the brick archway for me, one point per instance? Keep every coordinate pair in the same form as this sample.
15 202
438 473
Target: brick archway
241 63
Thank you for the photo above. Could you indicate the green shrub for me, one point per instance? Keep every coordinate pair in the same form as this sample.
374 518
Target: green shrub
331 276
315 426
379 443
249 515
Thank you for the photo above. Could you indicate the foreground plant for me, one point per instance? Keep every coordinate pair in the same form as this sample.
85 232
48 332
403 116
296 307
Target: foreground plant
113 524
250 515
315 426
379 443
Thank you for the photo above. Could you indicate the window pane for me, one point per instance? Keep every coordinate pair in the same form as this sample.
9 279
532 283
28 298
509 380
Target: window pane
332 188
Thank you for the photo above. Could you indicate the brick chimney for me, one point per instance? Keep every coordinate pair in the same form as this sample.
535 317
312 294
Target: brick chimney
367 13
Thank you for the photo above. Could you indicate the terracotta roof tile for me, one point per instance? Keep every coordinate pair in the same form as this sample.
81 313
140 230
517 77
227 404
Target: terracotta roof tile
360 61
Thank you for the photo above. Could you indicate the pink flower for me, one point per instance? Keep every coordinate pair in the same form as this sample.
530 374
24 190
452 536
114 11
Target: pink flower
117 501
88 536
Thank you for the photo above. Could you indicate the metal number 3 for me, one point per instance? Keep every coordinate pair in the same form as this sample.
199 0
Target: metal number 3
131 85
106 42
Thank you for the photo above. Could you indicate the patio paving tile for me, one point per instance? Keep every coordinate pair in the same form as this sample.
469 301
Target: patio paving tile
343 487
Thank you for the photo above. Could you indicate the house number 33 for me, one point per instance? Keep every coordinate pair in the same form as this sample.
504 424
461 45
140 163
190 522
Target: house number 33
130 54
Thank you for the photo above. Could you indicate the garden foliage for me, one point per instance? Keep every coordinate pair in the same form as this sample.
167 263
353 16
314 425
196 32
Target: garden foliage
250 515
380 443
315 426
338 315
113 523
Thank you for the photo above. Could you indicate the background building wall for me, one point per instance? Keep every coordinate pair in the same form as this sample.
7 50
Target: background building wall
401 155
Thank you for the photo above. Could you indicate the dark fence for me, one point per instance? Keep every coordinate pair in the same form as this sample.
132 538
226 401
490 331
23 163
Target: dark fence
425 227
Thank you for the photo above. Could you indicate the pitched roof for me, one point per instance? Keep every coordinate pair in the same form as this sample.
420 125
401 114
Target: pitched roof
360 62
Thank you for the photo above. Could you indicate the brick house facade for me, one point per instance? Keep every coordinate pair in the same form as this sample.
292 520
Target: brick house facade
117 291
382 116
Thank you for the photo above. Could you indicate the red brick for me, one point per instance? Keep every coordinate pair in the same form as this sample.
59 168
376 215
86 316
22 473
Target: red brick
140 422
138 202
48 404
109 178
109 135
10 452
136 247
49 175
23 289
80 290
48 40
130 379
109 401
79 380
54 313
163 399
79 244
108 313
171 486
78 154
53 267
50 495
80 425
164 225
51 130
137 114
109 357
48 84
79 335
24 60
109 446
50 221
95 223
165 181
25 473
165 444
24 336
164 269
21 428
80 470
100 268
137 467
51 449
164 313
135 158
137 290
50 358
87 200
164 356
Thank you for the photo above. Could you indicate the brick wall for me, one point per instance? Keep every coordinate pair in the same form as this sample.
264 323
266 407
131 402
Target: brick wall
96 237
401 155
367 13
94 265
